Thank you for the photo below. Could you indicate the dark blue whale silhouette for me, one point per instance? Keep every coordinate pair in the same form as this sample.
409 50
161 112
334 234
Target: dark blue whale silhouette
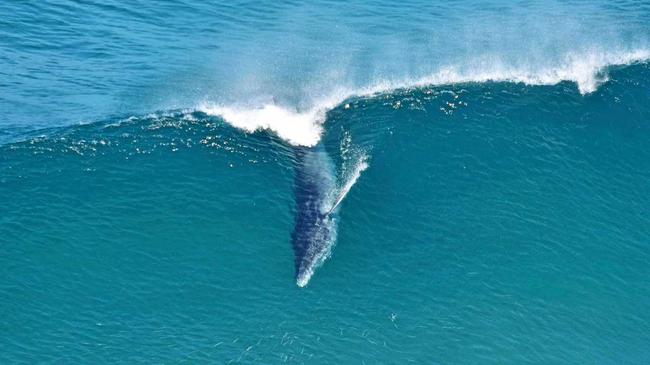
315 224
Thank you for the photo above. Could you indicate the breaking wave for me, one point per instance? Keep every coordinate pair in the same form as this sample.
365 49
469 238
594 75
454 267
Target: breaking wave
304 126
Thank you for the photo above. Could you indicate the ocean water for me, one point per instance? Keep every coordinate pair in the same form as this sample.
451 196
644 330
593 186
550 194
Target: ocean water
325 182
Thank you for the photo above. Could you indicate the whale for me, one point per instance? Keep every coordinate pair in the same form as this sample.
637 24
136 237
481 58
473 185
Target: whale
314 232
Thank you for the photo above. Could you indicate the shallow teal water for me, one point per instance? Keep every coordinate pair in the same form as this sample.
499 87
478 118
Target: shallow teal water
497 222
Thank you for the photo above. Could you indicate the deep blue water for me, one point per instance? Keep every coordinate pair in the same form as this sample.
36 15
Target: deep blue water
170 172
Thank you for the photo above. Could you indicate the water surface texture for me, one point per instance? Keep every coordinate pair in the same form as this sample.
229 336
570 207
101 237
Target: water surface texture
325 183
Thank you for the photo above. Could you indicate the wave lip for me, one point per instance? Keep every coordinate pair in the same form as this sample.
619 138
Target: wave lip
297 128
304 127
586 70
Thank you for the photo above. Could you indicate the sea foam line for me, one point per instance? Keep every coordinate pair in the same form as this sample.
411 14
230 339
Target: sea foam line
304 127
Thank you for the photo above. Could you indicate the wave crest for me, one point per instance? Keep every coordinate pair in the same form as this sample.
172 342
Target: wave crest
586 70
304 127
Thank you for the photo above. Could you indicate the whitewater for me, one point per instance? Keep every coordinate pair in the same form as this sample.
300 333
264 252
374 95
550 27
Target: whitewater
305 127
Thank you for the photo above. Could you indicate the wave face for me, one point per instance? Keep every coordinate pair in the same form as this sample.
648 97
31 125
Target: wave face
499 205
448 183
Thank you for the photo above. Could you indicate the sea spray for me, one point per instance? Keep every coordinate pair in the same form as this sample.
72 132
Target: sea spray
304 126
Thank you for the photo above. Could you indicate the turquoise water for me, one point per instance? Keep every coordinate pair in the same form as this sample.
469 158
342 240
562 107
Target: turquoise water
491 161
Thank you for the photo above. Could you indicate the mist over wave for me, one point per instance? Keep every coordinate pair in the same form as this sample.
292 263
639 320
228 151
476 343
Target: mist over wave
227 60
302 125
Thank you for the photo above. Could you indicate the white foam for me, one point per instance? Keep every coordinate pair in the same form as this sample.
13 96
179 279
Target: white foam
586 70
295 127
304 127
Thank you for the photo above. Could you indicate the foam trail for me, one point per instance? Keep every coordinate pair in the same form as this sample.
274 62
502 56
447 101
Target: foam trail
304 128
361 166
